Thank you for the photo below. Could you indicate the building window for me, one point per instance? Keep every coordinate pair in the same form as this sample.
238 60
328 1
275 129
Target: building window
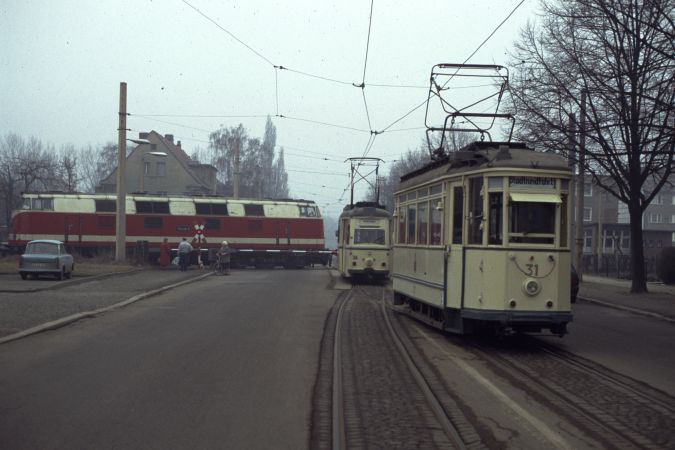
588 214
655 218
161 169
588 241
588 190
146 168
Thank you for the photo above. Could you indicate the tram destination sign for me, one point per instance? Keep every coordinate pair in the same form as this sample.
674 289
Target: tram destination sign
532 182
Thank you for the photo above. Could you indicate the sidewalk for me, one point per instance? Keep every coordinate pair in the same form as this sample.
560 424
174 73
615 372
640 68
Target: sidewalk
658 302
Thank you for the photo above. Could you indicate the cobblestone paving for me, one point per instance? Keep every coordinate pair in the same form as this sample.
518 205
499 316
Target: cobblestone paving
383 406
624 413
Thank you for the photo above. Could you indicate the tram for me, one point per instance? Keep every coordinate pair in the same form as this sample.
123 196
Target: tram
363 242
482 240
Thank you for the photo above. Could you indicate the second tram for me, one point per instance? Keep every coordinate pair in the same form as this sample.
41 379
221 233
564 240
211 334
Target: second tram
482 240
363 241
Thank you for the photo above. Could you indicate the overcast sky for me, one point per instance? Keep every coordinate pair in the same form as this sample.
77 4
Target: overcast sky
62 62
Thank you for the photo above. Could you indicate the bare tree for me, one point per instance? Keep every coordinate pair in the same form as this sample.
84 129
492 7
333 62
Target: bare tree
618 55
67 177
388 184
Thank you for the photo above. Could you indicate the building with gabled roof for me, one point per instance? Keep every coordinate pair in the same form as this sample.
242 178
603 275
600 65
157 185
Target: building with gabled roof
158 166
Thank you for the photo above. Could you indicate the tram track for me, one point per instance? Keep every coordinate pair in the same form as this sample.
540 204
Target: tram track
423 405
614 409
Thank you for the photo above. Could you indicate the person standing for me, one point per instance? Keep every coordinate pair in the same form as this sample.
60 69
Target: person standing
164 254
224 258
184 250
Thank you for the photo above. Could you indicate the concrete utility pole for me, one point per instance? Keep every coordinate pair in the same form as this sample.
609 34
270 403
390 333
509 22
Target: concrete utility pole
121 226
580 186
237 150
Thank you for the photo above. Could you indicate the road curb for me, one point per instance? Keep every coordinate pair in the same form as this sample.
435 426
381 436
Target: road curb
627 309
88 314
71 282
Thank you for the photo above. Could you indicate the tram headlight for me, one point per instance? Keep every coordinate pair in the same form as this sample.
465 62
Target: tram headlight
531 287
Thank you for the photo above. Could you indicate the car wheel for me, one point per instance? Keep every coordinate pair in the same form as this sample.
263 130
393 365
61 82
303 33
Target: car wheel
23 275
59 276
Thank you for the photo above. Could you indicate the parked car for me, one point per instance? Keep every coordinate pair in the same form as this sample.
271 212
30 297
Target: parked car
574 284
46 257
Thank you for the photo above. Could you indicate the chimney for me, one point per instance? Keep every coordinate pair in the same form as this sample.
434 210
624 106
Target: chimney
178 144
143 135
169 137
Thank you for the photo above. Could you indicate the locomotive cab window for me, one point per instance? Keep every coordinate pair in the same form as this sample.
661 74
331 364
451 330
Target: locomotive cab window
308 211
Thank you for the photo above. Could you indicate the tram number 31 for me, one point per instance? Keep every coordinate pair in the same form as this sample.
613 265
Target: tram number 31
532 269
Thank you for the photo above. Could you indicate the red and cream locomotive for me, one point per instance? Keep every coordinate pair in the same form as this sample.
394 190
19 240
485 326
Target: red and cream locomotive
262 232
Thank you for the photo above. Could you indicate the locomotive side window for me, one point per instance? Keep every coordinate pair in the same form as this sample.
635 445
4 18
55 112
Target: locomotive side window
153 222
143 206
211 209
254 210
476 210
106 205
457 215
422 222
40 204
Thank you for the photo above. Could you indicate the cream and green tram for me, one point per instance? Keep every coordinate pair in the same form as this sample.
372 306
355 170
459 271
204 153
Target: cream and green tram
364 241
482 241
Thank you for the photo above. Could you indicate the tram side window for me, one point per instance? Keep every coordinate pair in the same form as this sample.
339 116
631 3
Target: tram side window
422 222
401 225
495 229
412 218
435 233
476 210
531 223
457 215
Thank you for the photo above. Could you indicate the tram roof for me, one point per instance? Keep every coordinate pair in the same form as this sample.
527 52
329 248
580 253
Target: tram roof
363 209
482 155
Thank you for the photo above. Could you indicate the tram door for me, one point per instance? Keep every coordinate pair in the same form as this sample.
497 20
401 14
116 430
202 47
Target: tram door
454 245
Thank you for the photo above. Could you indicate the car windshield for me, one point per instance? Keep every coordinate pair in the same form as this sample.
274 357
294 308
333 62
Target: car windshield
43 248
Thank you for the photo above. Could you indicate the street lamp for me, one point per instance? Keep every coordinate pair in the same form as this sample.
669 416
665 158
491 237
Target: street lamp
142 171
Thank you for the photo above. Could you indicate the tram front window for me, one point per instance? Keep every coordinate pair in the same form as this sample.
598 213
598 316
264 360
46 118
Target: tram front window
531 223
369 236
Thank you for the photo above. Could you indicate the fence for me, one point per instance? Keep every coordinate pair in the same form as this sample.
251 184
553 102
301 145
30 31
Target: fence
618 266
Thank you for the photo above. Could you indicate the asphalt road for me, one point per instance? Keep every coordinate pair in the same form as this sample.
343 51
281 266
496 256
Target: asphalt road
227 362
